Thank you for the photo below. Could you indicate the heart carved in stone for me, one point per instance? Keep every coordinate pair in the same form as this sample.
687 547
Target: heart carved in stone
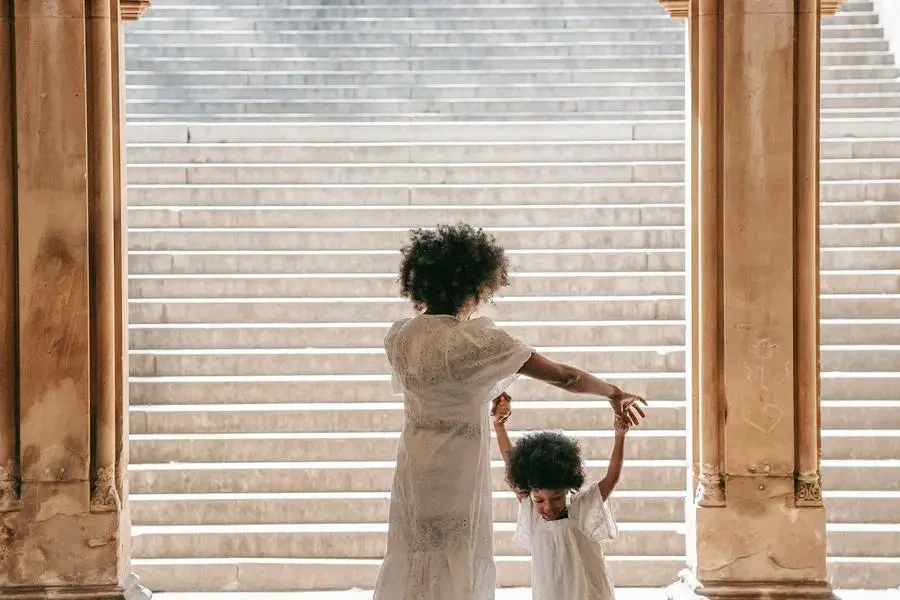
765 418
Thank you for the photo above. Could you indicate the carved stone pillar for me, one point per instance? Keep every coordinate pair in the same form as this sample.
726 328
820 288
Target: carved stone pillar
759 522
64 525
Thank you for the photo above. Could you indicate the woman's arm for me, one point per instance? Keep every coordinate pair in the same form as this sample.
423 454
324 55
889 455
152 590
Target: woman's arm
575 380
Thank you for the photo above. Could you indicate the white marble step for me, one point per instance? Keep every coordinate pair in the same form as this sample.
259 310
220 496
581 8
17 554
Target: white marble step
331 361
371 334
371 507
327 540
247 574
472 132
375 388
348 417
437 152
382 446
549 333
353 285
372 476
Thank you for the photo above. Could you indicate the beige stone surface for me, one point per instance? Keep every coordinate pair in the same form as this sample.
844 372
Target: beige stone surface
63 530
760 526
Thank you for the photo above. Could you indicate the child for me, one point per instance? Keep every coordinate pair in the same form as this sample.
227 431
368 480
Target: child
564 538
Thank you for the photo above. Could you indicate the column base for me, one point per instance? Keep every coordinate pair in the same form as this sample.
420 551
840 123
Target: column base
688 588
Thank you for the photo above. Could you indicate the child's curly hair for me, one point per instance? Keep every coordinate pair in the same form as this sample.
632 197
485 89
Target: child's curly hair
442 268
545 461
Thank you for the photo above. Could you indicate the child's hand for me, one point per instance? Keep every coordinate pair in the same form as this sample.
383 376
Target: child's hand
501 409
628 406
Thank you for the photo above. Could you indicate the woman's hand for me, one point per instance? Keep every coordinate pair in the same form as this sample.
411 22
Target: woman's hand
501 408
628 406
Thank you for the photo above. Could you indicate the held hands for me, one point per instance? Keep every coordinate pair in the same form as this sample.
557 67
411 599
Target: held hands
628 407
501 409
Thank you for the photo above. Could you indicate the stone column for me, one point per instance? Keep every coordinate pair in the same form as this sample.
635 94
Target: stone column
758 519
64 526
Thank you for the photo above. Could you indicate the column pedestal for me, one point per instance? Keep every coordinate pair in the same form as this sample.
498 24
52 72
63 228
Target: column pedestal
64 523
757 523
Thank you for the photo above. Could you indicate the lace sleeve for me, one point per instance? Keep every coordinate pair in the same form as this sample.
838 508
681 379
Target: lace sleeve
396 388
524 524
592 515
483 356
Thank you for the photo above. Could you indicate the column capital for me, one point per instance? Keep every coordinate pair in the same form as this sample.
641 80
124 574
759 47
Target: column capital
678 9
132 10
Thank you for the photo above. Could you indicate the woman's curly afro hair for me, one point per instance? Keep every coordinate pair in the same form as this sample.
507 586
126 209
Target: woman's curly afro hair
545 461
443 268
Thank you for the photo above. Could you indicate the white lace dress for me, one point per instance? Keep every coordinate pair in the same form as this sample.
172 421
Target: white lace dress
440 542
566 556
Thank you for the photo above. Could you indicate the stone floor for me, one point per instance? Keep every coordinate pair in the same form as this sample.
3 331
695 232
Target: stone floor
505 594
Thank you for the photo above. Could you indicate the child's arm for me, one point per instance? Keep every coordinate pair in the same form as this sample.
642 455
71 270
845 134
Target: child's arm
500 415
608 483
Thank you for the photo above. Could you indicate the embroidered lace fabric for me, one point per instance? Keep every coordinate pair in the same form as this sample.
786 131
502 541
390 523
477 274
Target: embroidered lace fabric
440 543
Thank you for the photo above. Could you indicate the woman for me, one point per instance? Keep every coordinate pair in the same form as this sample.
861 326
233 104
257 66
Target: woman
449 368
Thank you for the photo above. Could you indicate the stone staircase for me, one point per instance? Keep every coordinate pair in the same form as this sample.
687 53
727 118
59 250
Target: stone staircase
278 153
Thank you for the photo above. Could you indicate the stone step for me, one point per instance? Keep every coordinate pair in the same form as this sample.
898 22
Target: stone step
235 574
287 194
523 284
285 11
363 507
472 90
391 238
352 540
372 507
433 132
369 334
390 93
371 476
480 215
329 310
662 236
334 361
550 333
354 285
454 173
274 20
526 263
357 361
297 447
879 444
386 262
446 152
376 388
356 41
388 416
437 152
848 129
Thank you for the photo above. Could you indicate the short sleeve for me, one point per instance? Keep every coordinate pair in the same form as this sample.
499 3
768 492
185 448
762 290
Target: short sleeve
592 515
483 356
524 523
389 339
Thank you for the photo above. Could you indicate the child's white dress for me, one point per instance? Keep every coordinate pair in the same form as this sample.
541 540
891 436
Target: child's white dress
566 557
440 542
